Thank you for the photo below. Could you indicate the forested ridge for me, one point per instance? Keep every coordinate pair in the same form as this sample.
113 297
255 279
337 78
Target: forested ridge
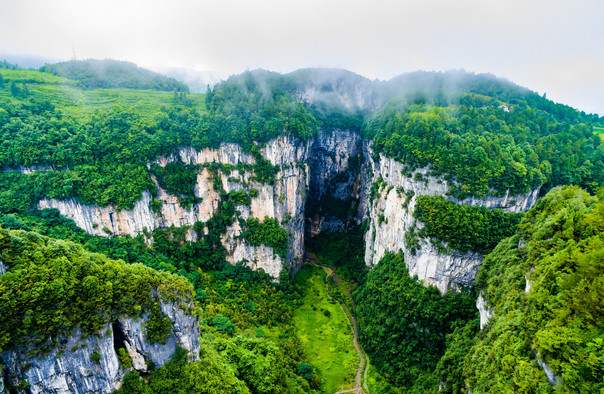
544 285
109 73
72 131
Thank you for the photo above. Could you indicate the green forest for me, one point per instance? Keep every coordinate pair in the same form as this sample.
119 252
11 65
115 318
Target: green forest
544 285
93 131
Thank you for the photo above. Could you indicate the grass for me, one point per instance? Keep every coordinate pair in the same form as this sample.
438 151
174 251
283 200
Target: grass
600 131
327 340
83 103
378 384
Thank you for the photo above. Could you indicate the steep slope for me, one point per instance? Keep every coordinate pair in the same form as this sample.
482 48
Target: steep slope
70 318
274 146
393 227
228 169
544 290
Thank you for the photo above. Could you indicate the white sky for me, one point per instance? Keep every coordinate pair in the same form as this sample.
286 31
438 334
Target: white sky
552 46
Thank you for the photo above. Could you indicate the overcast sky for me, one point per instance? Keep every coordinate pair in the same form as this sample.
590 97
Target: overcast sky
550 46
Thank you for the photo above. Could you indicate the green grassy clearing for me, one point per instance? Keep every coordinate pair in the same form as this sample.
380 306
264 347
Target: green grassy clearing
83 103
327 341
599 131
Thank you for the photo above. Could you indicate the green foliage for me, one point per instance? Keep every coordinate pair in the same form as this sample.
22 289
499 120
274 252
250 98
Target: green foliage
96 357
237 299
54 286
463 227
305 370
223 323
109 73
559 249
158 327
178 179
256 106
342 249
124 357
267 232
326 340
264 170
208 375
450 368
412 240
482 147
402 324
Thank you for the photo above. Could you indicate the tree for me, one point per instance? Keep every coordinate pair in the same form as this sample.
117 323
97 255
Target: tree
14 89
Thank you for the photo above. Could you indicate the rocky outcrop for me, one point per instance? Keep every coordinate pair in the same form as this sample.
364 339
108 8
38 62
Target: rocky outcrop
483 310
185 334
89 363
341 166
392 225
283 200
80 364
335 164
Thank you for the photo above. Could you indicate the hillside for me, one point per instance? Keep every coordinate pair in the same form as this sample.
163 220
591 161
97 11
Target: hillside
107 73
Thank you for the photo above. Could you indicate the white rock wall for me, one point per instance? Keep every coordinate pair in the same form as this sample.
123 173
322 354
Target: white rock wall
69 367
284 201
389 220
483 310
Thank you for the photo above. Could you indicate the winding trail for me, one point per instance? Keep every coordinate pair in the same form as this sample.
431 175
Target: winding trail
360 383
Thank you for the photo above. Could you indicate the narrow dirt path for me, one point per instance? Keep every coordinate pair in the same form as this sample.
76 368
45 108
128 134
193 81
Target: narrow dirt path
359 384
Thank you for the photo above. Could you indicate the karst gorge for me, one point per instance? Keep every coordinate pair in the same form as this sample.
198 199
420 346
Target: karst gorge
306 232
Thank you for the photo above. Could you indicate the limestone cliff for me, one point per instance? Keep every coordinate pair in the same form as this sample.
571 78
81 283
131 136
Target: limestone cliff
89 363
284 200
390 219
327 180
336 160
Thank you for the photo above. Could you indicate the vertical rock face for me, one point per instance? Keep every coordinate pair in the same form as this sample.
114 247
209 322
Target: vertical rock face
333 190
335 161
70 367
284 200
483 310
390 218
89 364
185 333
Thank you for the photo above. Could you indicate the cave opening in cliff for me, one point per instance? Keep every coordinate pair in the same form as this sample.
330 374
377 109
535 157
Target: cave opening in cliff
118 337
336 179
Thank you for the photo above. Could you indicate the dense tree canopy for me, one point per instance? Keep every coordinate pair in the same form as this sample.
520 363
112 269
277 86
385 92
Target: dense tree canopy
484 148
402 324
545 286
462 227
53 286
109 73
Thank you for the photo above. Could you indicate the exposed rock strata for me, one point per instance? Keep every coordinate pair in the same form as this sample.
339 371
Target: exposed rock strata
71 368
390 218
68 368
331 156
335 162
284 201
483 310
